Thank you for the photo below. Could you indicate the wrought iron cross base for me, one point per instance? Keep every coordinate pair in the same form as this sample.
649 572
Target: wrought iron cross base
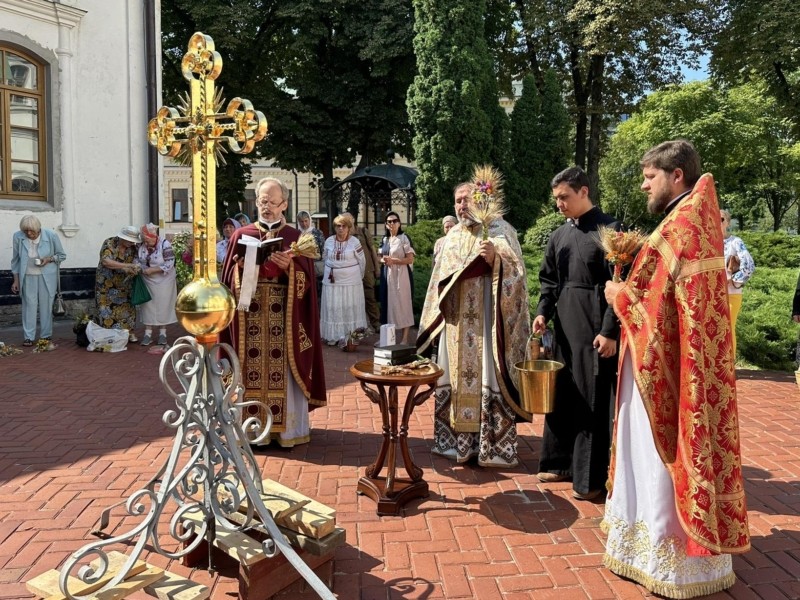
211 472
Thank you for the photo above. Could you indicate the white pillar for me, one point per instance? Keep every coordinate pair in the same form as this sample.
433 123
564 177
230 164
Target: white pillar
69 222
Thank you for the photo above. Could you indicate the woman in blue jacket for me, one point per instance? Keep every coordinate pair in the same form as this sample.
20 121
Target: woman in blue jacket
36 255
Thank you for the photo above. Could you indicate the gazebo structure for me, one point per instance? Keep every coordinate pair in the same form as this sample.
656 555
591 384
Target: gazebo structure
371 192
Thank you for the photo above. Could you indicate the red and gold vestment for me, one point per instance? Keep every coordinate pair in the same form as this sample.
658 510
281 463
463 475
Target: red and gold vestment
676 325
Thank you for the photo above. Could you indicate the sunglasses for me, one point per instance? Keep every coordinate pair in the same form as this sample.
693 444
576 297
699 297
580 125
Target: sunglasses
390 221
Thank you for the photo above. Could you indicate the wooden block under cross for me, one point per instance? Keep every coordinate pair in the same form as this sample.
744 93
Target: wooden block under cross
155 581
292 510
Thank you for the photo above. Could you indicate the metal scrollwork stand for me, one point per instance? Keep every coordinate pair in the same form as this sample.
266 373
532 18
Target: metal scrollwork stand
211 472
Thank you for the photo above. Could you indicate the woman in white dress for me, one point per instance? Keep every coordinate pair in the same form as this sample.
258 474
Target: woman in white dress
342 292
157 260
396 292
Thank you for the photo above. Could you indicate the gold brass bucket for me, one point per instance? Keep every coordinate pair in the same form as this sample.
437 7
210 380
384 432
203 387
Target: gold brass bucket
537 385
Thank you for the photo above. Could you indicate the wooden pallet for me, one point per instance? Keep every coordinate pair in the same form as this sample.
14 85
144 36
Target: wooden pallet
155 582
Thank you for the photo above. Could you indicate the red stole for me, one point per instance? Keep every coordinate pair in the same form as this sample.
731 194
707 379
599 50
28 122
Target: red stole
675 322
303 344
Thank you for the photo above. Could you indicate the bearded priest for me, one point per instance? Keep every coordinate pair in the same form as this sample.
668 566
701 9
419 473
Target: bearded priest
477 308
676 510
276 330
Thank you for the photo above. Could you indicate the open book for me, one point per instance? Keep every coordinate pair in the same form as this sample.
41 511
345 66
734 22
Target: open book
264 247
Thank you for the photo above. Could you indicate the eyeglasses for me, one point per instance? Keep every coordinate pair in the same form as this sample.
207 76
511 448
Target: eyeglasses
266 200
390 221
339 225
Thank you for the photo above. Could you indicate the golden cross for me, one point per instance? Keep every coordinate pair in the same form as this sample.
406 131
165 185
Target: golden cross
197 129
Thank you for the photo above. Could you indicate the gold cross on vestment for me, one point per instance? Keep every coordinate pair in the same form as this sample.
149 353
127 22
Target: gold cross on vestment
198 129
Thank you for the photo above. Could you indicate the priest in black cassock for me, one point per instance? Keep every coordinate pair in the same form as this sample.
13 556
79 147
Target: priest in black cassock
577 434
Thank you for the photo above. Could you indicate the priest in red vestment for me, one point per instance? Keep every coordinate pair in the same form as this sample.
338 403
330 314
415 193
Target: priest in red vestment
276 330
676 509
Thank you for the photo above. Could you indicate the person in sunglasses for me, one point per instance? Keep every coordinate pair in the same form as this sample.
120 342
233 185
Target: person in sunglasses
396 288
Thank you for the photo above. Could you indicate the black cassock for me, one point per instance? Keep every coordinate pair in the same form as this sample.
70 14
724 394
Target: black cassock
577 434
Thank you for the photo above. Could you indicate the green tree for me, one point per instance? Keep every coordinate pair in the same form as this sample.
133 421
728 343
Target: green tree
330 76
539 149
759 40
242 31
608 52
741 138
452 101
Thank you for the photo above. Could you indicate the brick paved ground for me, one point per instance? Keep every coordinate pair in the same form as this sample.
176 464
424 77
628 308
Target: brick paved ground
81 431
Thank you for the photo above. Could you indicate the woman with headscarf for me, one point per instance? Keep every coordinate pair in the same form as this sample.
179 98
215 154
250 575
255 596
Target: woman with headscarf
242 218
157 261
447 224
342 292
113 280
229 225
36 254
397 294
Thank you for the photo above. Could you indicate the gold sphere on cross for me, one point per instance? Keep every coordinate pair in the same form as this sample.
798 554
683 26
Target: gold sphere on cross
205 307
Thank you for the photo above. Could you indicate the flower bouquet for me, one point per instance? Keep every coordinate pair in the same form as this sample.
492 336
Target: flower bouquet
43 345
349 343
487 196
7 350
620 247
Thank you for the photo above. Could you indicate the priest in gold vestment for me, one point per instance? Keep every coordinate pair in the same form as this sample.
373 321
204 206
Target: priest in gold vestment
276 331
676 509
477 308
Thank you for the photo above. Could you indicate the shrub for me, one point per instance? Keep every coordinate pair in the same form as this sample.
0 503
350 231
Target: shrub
765 334
536 237
774 250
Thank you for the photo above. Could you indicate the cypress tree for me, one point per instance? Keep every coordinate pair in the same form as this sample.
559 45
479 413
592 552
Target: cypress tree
540 146
524 177
447 103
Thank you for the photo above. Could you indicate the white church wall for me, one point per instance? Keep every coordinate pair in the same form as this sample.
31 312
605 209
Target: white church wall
96 128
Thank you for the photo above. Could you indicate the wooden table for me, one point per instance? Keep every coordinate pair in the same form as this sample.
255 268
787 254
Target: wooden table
392 492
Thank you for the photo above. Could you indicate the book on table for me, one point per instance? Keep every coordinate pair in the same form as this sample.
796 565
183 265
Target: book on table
264 247
380 361
395 351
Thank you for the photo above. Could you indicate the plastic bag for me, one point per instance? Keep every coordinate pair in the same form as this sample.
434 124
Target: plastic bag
106 340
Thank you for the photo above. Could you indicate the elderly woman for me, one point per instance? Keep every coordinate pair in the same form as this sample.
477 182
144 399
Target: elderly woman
739 267
113 280
397 292
342 291
242 218
229 225
36 254
157 261
447 225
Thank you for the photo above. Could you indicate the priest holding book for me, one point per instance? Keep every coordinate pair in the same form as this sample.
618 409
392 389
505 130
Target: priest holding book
276 329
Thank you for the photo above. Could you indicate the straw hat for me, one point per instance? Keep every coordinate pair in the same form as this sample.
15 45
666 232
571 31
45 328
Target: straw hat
130 234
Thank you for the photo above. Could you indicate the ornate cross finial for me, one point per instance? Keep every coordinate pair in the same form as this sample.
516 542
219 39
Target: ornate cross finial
205 306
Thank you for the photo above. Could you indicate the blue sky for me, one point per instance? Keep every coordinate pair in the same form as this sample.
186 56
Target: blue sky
700 73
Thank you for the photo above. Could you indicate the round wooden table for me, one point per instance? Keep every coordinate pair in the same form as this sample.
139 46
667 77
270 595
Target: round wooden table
392 492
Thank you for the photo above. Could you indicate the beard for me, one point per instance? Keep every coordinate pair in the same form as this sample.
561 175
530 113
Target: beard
659 202
466 221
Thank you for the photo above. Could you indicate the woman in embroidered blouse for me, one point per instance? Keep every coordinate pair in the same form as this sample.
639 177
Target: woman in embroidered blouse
36 254
342 292
157 261
396 290
739 267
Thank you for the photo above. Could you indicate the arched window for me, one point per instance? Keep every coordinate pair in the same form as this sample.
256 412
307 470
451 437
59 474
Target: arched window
23 138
